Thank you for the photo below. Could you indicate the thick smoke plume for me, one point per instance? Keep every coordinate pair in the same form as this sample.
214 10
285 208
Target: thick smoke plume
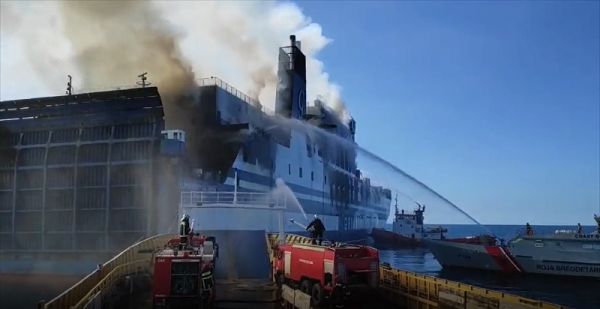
113 42
106 44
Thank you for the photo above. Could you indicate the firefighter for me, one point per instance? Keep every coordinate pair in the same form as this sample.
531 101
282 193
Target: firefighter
184 230
317 229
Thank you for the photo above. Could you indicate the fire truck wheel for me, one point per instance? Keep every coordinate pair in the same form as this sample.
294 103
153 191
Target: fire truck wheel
317 295
305 286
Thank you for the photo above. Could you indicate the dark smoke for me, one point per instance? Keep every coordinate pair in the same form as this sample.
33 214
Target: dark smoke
116 41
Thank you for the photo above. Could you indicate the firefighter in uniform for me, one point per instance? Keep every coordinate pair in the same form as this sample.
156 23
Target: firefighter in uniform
184 230
316 227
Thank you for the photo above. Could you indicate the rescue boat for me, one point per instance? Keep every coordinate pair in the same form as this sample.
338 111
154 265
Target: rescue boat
479 252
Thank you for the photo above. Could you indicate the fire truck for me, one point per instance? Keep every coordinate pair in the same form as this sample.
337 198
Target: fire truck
327 273
184 271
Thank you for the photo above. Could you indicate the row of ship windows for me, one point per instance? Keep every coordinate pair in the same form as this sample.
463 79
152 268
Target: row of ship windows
353 190
312 174
341 160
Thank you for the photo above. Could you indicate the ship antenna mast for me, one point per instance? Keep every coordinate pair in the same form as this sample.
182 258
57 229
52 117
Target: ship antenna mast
69 85
143 79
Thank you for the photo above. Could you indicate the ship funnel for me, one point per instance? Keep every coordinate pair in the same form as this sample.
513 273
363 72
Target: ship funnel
290 100
295 43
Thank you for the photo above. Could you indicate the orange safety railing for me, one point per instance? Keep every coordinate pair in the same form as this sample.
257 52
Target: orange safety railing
136 258
411 290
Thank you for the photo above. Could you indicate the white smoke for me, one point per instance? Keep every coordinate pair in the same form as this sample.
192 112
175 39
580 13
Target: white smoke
235 41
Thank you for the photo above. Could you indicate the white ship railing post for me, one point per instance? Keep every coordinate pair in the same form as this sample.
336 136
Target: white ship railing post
235 187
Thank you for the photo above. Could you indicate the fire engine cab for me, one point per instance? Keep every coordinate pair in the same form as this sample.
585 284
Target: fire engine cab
327 273
184 270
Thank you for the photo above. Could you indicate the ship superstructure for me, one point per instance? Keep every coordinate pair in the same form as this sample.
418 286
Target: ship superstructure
412 225
565 253
320 170
97 171
408 229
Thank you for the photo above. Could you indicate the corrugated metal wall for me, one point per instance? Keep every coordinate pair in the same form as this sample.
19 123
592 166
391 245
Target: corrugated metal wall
68 184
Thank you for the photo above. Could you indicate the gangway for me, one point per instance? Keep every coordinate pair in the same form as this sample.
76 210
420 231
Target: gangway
401 288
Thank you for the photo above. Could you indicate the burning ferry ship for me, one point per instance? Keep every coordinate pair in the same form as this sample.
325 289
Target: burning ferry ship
268 152
96 171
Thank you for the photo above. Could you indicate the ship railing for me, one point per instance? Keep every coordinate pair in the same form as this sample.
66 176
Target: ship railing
105 88
222 199
136 259
215 81
412 290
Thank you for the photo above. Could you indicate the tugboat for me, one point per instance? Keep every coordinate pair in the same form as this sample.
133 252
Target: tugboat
566 252
408 230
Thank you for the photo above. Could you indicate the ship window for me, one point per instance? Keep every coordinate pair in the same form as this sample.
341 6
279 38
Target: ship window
312 176
300 172
289 169
325 179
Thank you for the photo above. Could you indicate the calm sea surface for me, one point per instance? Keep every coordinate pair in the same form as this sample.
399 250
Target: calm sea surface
572 292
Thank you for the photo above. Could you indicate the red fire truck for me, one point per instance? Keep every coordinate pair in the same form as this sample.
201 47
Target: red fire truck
327 272
183 272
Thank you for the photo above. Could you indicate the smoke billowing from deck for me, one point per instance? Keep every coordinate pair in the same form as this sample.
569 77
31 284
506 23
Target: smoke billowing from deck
113 42
106 44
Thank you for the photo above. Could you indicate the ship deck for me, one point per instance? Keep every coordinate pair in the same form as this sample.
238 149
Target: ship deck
243 281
